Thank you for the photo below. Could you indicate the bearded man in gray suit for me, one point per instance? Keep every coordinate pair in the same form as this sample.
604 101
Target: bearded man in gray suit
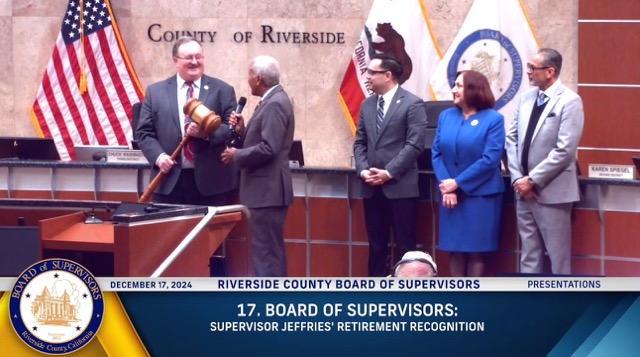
389 138
541 150
265 178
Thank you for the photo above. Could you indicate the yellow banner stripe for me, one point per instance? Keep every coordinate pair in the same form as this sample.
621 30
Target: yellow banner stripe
116 336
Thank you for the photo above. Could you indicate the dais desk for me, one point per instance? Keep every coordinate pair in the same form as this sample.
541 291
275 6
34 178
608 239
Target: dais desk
326 221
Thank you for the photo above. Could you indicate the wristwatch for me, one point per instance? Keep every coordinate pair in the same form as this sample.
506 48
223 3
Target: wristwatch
531 181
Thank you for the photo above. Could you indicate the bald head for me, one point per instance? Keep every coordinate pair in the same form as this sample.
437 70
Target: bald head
414 269
415 264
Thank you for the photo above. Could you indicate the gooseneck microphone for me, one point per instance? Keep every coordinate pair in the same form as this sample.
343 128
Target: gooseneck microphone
235 137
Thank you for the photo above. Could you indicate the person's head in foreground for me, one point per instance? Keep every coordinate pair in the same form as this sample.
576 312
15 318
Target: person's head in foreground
415 264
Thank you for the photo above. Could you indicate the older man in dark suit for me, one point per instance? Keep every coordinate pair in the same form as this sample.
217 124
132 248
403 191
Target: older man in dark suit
389 137
265 179
197 176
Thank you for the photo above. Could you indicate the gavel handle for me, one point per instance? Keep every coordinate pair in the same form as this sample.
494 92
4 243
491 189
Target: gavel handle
146 196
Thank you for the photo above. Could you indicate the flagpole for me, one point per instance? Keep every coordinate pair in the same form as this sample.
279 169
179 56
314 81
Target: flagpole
83 77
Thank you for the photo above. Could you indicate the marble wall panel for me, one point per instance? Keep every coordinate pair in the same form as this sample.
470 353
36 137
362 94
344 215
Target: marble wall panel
6 8
7 102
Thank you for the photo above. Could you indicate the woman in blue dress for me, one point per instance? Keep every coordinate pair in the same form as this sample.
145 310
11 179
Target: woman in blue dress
466 155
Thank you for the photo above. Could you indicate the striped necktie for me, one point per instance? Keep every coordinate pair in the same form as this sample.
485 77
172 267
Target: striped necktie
380 114
188 150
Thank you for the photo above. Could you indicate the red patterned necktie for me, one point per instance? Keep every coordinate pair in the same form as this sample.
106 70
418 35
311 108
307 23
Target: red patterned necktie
188 150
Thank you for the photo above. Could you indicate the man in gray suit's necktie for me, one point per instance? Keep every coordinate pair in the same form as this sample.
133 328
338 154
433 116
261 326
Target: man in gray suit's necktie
541 150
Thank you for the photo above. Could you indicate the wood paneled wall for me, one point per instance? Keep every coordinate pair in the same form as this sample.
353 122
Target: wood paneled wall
609 81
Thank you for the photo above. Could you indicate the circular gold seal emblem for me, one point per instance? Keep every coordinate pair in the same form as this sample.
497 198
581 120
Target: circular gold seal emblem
56 306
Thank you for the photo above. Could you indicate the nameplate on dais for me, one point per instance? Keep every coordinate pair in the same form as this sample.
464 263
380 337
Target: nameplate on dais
622 172
126 156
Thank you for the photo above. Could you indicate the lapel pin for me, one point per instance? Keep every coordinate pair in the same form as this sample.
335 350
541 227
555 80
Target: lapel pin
474 122
206 87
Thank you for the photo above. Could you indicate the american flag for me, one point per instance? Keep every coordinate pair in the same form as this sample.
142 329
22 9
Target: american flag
89 86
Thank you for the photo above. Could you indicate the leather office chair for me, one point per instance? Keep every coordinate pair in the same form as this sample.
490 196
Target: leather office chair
134 125
433 108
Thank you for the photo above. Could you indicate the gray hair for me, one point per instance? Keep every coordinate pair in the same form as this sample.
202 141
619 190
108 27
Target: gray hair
551 58
268 68
181 41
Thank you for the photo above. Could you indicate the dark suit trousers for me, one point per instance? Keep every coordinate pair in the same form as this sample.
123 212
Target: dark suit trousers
186 192
381 216
267 240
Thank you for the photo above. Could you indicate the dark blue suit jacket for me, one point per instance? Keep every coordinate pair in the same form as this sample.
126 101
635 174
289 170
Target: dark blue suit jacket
470 151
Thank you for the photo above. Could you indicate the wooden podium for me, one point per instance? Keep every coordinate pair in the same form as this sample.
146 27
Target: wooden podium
141 246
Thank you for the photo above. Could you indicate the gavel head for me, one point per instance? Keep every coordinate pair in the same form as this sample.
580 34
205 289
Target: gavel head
201 115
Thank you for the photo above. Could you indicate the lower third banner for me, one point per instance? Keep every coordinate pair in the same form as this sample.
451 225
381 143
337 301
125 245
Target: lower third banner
363 323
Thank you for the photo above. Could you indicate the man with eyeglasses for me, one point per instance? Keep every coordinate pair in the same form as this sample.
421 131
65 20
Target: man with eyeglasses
389 137
541 150
197 176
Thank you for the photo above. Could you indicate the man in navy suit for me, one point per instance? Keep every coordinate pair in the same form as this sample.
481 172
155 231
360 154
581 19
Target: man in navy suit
265 178
198 177
541 149
389 137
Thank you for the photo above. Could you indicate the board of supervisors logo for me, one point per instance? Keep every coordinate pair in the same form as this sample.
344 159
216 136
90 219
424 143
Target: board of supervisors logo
56 306
494 55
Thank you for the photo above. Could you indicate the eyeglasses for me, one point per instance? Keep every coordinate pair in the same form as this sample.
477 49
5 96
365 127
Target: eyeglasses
371 72
531 68
198 58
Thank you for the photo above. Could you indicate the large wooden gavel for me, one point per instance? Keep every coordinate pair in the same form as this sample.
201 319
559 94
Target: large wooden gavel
199 114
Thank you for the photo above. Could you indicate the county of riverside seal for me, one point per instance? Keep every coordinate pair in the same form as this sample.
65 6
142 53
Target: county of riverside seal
56 306
493 54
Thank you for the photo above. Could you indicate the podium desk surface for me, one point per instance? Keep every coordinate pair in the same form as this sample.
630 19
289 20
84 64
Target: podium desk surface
157 211
83 237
